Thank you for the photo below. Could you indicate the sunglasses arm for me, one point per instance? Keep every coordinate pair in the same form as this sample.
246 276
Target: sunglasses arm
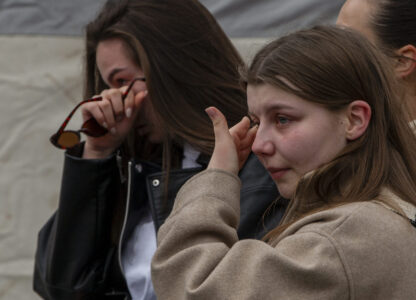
99 98
68 118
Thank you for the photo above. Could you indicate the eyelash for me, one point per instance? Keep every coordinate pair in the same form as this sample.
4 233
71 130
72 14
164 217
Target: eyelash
279 118
121 82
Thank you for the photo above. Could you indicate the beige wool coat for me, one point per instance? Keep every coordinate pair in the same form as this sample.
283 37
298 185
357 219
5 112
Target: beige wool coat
362 250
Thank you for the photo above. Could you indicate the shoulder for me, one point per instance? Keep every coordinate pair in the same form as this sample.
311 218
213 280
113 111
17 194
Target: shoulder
369 225
354 218
363 234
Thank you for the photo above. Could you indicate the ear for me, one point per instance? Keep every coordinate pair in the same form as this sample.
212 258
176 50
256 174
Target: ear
406 61
358 116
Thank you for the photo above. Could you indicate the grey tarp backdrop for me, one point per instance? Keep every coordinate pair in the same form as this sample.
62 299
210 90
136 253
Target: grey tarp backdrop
41 52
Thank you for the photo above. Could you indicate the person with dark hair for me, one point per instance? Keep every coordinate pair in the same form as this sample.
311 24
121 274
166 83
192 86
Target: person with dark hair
330 129
152 67
391 26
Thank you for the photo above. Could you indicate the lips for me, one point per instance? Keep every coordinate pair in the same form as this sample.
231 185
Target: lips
277 173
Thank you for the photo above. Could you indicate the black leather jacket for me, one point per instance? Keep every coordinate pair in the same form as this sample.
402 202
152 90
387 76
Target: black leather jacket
77 259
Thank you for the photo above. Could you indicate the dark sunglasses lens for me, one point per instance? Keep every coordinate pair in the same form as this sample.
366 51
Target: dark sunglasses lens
92 128
67 139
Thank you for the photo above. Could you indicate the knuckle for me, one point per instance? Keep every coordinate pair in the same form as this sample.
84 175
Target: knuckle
123 89
104 93
89 107
86 108
105 103
114 92
100 119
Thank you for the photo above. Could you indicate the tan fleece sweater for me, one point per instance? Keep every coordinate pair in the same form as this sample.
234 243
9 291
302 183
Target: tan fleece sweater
361 250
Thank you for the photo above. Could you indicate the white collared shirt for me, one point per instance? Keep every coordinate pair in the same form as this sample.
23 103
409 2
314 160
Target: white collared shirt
141 245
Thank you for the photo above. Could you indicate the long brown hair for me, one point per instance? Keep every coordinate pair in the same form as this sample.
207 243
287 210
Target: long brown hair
188 61
333 67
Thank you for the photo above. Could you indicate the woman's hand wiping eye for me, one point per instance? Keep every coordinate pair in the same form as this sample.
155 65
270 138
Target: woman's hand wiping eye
232 146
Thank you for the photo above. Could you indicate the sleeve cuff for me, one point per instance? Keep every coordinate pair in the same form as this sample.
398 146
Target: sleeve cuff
213 183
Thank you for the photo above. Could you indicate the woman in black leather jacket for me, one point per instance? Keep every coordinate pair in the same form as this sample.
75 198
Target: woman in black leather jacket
117 189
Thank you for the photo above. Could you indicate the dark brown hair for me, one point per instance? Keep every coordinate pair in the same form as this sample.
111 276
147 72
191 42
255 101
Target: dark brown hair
333 67
394 23
188 61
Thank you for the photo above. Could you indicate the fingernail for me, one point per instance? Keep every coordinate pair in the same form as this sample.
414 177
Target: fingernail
211 112
128 112
105 125
113 130
145 92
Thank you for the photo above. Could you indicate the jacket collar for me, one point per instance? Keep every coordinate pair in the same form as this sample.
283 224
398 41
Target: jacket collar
408 209
295 208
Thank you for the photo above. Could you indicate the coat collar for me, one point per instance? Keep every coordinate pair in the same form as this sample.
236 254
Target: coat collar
408 210
296 208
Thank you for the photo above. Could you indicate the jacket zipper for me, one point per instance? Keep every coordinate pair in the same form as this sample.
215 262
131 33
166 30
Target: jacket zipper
125 218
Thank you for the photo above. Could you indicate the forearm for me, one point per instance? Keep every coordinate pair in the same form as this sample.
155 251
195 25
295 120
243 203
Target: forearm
206 212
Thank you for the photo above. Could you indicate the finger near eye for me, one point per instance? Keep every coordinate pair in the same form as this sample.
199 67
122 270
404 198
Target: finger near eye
129 104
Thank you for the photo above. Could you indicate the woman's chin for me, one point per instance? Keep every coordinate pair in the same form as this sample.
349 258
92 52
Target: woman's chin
285 191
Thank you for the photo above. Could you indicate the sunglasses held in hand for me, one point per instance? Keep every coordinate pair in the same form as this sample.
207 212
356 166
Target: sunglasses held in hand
65 139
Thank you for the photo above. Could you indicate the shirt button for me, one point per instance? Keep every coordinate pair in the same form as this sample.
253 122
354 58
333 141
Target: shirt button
139 168
155 182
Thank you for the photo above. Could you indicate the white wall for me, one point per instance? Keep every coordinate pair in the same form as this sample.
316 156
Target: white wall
39 84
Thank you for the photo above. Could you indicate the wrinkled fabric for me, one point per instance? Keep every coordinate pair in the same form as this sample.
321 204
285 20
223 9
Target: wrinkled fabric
359 251
77 237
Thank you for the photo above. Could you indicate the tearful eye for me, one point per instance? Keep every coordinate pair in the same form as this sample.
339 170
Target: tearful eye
122 82
282 120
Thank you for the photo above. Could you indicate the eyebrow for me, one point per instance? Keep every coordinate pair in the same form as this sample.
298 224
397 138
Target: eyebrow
273 107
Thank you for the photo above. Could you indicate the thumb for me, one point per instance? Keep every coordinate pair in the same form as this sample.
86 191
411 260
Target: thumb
138 101
219 122
224 155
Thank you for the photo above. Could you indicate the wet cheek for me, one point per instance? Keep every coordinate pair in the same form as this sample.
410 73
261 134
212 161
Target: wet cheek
299 150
